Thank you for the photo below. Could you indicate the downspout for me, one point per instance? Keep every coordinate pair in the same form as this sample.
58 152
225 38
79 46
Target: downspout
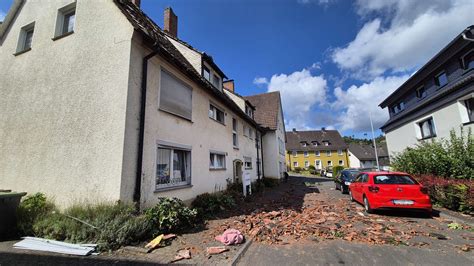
141 137
261 149
258 158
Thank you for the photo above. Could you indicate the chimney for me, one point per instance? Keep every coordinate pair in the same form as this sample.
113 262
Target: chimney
136 2
294 129
229 85
323 129
171 22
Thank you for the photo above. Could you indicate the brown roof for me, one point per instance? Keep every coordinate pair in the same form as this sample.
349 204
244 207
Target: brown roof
294 140
153 33
267 106
367 152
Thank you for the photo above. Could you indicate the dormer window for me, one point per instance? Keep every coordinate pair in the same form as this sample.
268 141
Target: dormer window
248 111
441 79
206 73
216 81
421 92
304 144
467 60
326 143
315 143
398 108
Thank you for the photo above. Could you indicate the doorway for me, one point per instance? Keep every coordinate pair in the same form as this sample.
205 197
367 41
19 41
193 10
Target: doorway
238 171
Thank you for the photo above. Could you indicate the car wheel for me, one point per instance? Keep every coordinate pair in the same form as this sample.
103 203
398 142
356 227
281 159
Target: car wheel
350 195
343 190
367 207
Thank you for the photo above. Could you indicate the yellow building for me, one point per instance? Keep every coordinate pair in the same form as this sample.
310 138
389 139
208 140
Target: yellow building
319 148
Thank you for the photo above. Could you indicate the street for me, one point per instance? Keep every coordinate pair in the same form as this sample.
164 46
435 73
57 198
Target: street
419 248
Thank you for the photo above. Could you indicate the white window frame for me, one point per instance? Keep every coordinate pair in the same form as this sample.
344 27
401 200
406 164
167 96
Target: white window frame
235 127
295 164
329 163
317 164
432 129
216 155
61 19
317 153
22 44
306 154
328 153
248 163
306 164
172 148
341 162
214 110
339 152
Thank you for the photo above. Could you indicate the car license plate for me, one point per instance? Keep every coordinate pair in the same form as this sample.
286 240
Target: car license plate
403 202
347 183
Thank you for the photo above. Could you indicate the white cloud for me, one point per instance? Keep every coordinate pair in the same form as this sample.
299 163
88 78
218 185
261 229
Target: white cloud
355 103
300 92
2 15
260 81
319 2
416 31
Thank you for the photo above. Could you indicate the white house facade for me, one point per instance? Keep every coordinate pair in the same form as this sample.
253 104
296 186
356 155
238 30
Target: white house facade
98 105
437 99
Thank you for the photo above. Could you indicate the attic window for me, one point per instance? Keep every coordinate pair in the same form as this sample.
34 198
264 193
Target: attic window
441 79
216 81
65 21
326 143
398 108
206 73
303 144
421 92
315 143
468 60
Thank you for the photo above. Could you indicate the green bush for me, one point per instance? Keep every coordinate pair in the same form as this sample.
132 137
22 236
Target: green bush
171 215
297 170
208 205
109 225
450 158
270 182
336 170
311 167
31 209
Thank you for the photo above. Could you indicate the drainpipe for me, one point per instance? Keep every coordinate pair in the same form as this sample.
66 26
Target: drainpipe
258 158
261 149
141 137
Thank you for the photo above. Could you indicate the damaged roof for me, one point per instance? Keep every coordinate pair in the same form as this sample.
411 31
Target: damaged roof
267 106
153 33
295 140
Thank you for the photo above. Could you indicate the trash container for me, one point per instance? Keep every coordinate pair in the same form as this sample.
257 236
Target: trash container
9 202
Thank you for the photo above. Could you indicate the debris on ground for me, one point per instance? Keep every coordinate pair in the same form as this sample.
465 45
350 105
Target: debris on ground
455 226
182 254
41 244
230 237
438 236
154 243
216 250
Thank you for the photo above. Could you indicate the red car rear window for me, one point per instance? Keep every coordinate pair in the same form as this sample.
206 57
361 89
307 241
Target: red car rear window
394 180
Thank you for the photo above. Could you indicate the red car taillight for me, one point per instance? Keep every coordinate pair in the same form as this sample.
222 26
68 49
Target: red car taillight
374 189
424 190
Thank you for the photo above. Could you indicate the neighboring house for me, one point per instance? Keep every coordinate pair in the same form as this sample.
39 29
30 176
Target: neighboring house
319 148
363 155
436 99
269 115
98 105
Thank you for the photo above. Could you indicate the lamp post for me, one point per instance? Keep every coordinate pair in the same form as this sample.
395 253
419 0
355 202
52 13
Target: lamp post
373 139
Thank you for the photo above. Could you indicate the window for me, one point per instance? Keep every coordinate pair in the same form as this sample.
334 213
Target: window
250 133
317 153
216 81
326 143
216 160
315 144
248 111
470 108
175 96
394 180
398 107
281 146
421 92
441 79
216 114
427 128
235 136
467 60
206 73
65 21
341 163
306 164
329 163
248 162
246 134
317 163
26 38
303 144
306 154
295 164
339 152
295 154
328 153
173 167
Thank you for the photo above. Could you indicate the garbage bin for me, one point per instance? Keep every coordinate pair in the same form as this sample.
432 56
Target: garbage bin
9 202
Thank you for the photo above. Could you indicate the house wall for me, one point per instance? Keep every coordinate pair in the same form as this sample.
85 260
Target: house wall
445 119
202 134
63 104
354 162
193 57
311 158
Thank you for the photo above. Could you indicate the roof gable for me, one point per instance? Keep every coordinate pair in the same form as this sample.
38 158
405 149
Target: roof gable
296 138
267 108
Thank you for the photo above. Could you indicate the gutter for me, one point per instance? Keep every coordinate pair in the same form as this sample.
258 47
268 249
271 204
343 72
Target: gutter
141 137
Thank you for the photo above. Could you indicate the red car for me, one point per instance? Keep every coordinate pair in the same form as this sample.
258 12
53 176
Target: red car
382 190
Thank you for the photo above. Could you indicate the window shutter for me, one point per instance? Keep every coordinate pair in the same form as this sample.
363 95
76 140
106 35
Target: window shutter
175 96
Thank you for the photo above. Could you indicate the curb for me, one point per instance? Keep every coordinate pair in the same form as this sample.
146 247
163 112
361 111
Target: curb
241 252
457 218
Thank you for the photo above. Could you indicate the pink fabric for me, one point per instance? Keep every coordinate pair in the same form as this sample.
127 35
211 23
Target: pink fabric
230 237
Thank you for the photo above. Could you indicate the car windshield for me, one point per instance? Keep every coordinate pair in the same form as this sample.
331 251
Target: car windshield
394 180
353 174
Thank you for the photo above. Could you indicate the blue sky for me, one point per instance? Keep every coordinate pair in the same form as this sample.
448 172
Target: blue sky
333 61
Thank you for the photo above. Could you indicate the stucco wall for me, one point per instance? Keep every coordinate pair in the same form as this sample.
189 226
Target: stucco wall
63 103
445 119
323 157
354 162
194 58
202 134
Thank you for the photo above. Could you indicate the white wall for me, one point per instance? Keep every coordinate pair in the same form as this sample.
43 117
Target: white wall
354 162
63 104
445 119
272 156
202 134
193 57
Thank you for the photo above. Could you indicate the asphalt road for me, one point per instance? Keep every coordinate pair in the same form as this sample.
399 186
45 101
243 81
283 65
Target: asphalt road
339 252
